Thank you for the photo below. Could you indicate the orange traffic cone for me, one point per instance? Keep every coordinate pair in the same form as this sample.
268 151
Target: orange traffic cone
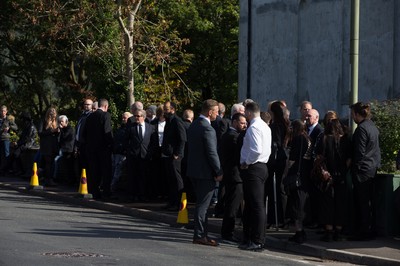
83 191
34 184
183 212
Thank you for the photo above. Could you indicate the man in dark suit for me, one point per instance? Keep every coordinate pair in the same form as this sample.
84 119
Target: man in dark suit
204 167
141 143
230 162
315 131
173 150
98 136
221 126
79 149
366 160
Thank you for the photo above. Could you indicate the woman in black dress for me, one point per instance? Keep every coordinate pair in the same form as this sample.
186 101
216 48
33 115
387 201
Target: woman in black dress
277 162
300 144
334 147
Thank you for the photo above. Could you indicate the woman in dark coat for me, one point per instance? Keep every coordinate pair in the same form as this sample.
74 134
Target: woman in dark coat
334 147
48 133
277 162
300 144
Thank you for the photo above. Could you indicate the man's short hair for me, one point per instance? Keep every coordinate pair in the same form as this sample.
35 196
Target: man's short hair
237 116
63 117
188 114
172 105
152 109
236 108
103 102
208 105
253 107
137 106
141 112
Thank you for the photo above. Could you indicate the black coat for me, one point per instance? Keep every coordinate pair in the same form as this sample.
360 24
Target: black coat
66 139
138 147
97 132
174 137
366 151
230 156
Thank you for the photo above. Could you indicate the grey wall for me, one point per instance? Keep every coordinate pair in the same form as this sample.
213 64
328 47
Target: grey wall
300 51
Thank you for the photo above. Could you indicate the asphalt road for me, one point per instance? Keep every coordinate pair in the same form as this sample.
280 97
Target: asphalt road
36 231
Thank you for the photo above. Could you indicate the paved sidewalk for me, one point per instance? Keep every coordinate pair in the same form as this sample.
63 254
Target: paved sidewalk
381 251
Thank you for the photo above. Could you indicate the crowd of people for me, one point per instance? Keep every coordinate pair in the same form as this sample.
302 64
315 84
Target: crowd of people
235 162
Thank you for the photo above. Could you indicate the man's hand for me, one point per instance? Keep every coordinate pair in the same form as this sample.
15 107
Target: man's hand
218 178
176 157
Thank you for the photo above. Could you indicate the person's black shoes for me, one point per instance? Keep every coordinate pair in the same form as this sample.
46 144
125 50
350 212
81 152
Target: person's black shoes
251 246
328 236
299 238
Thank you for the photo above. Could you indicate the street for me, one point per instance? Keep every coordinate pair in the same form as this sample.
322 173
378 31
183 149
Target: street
36 231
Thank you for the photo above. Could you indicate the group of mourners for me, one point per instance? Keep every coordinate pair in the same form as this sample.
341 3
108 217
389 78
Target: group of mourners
299 166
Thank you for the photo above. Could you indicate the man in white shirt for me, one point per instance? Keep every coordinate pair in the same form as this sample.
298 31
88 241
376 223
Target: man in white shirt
254 156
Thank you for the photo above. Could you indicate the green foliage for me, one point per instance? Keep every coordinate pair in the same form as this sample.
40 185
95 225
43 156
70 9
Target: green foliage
212 28
55 53
385 114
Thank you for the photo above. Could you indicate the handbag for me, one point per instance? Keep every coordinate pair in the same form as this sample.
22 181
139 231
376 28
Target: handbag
319 170
320 173
293 181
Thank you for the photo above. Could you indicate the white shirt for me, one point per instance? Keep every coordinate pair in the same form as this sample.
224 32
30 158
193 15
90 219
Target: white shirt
311 128
256 143
143 129
206 118
161 126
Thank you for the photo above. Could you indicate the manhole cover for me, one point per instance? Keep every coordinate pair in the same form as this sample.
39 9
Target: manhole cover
73 254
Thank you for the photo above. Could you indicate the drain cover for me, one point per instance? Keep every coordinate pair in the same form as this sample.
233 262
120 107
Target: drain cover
73 254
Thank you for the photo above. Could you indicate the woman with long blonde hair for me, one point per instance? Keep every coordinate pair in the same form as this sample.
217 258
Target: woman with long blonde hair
48 133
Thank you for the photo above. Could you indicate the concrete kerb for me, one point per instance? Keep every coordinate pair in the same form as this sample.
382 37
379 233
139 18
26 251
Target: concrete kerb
305 249
328 254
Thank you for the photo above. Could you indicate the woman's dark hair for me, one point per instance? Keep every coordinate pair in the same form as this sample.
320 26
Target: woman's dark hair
298 128
278 110
334 128
363 109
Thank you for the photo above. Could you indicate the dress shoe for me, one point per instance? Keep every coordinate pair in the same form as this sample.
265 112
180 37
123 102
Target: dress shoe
205 241
300 237
328 236
244 245
50 183
254 247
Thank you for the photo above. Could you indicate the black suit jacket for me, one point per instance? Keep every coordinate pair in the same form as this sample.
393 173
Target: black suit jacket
221 126
203 161
66 139
97 132
174 137
366 151
230 156
138 147
315 133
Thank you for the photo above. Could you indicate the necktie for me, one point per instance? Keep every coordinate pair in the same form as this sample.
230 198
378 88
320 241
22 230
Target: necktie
140 132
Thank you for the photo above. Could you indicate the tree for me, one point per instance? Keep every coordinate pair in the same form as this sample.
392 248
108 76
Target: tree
57 52
212 28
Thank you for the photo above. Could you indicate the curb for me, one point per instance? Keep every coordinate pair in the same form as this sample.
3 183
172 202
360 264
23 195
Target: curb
305 249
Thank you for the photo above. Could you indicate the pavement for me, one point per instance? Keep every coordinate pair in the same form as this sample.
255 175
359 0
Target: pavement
380 251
